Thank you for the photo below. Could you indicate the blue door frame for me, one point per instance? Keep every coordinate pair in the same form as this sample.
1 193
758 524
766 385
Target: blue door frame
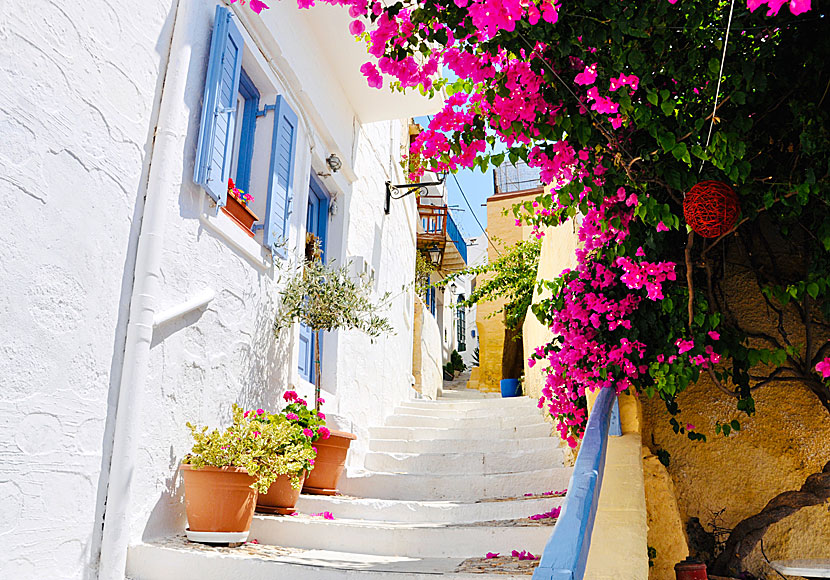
317 217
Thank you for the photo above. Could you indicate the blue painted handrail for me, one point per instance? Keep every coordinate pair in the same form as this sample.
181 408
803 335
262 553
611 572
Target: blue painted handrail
566 552
456 237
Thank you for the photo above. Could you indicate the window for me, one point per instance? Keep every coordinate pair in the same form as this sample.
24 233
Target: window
230 119
429 299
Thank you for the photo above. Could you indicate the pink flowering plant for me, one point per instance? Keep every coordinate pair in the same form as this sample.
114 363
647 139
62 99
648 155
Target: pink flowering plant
311 421
623 107
614 104
266 446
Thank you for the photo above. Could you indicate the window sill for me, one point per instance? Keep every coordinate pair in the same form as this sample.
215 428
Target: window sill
230 231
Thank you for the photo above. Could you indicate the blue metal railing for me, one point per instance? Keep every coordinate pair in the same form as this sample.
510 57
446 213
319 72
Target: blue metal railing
456 237
566 552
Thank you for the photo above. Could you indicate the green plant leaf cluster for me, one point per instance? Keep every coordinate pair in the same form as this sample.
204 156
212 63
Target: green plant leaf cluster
265 448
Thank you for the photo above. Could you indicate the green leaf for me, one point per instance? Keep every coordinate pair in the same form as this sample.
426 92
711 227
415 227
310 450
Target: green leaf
735 425
812 289
652 97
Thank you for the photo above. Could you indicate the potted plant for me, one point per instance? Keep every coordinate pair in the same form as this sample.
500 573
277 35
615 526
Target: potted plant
226 469
237 208
326 298
283 494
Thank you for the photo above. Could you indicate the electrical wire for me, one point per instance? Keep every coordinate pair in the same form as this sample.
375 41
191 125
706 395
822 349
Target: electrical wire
720 76
475 217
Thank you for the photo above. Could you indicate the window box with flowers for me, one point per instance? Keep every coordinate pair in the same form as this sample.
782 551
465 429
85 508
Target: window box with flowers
237 208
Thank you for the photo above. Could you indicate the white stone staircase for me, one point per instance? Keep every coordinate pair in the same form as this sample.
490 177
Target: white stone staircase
445 481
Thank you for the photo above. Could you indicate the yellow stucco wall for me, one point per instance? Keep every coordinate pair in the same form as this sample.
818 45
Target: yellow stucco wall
558 252
504 232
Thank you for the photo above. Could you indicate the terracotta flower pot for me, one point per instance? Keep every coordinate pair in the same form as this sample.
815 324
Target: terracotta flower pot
218 501
240 213
281 497
329 465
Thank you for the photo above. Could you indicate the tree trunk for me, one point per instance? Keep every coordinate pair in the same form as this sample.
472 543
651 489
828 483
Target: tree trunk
316 370
512 356
742 540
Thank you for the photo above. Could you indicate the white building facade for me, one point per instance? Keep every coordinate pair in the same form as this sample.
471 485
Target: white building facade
131 303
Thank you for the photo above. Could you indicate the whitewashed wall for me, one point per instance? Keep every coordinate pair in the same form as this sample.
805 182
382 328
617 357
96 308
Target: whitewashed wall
78 101
77 117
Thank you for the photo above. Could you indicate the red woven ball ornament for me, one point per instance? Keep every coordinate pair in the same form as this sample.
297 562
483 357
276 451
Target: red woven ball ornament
711 208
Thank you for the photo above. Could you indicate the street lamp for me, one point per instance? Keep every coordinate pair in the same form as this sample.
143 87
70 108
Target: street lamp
434 255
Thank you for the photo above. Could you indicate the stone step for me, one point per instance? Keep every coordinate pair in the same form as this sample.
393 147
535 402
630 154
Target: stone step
420 433
437 512
489 403
523 411
483 463
455 487
494 421
425 540
175 559
463 445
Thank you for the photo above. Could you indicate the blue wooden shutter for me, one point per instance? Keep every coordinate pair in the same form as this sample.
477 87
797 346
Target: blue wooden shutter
280 180
216 133
305 364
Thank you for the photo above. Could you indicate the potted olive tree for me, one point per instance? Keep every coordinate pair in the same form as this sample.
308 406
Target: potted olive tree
327 297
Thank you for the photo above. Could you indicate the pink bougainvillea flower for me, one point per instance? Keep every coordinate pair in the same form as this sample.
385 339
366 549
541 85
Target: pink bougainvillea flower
690 427
661 227
356 27
491 555
713 335
259 411
588 76
824 368
324 515
258 6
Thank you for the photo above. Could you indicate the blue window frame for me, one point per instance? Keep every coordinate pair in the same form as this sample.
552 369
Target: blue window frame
249 95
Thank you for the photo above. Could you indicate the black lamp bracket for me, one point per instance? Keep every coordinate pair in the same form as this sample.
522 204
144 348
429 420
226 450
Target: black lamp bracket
404 189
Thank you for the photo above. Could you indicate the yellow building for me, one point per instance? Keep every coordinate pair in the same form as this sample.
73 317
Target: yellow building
513 185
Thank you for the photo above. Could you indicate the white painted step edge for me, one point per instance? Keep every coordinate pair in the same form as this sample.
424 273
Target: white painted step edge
395 539
483 463
491 422
374 509
420 433
151 562
463 445
453 487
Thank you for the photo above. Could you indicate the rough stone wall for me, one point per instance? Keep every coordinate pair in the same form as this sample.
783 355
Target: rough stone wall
79 98
504 232
775 450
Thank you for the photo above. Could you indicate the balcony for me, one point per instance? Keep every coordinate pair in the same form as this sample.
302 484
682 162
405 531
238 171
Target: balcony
437 230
